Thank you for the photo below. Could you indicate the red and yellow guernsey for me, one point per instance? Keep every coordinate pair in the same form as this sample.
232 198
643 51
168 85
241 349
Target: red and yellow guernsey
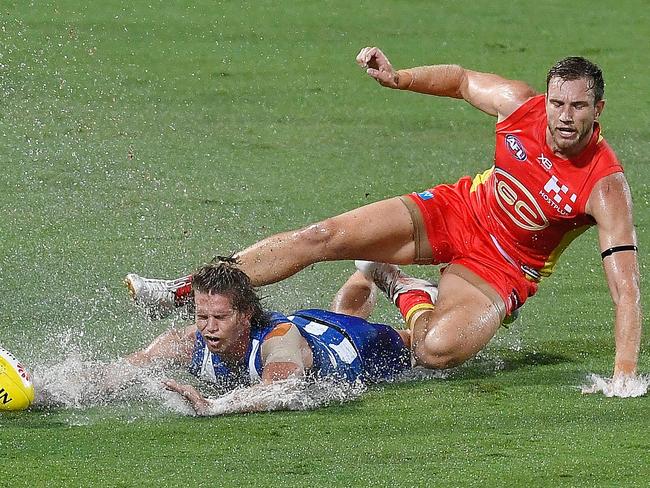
531 202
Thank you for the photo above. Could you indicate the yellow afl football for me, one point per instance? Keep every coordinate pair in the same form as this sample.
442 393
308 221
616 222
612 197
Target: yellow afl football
16 388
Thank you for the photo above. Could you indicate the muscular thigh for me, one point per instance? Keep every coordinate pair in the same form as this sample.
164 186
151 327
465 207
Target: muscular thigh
381 231
462 323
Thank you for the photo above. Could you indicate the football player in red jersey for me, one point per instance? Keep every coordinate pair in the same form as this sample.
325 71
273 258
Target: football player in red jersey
500 232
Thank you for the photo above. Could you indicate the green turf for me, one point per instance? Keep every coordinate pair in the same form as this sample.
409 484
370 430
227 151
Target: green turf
149 136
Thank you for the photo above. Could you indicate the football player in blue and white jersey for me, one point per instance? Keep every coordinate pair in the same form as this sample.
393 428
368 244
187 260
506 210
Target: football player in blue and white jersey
235 342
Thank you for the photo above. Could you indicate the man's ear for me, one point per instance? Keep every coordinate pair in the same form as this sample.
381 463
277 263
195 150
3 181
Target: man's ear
600 106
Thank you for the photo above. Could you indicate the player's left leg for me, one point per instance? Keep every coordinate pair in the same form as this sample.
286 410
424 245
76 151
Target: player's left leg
356 297
463 321
449 322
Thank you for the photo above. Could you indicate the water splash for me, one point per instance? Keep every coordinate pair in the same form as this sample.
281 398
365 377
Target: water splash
79 384
422 374
623 387
290 394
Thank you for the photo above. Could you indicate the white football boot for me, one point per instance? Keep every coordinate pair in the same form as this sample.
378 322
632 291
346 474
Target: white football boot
393 281
160 298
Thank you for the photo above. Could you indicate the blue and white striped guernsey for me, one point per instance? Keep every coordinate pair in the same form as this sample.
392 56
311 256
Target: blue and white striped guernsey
344 347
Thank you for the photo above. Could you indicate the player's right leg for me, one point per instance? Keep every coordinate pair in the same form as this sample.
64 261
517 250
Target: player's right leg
390 279
380 231
159 298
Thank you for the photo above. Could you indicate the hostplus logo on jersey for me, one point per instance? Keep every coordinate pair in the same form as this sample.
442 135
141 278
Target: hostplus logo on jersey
516 148
557 196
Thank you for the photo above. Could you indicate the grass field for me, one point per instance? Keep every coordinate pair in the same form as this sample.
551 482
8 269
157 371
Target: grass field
150 136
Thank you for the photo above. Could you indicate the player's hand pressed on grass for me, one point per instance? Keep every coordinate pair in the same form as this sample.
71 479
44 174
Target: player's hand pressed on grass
377 65
191 394
621 385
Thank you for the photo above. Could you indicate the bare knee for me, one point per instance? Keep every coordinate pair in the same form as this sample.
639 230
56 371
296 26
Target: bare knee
323 237
439 350
436 358
462 323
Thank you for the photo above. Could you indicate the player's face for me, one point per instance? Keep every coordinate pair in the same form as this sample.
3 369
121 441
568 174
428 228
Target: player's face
570 112
226 331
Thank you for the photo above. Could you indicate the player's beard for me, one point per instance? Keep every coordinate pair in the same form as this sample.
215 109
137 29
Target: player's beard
575 143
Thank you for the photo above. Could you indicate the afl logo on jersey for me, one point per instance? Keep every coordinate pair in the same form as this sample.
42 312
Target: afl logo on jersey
516 148
518 203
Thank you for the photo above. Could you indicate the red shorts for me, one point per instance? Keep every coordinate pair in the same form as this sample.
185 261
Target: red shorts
457 237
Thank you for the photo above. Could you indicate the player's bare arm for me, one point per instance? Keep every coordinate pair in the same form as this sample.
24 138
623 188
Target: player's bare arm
611 206
257 398
490 93
285 354
197 401
174 345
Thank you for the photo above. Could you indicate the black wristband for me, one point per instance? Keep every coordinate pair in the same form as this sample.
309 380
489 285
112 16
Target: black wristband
614 249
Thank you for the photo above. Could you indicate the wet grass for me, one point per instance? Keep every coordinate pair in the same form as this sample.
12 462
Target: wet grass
150 137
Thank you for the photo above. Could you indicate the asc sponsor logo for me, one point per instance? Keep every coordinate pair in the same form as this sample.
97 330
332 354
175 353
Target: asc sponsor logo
518 203
516 148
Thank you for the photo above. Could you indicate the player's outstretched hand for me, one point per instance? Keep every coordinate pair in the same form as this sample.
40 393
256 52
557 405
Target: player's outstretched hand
377 65
622 386
198 402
